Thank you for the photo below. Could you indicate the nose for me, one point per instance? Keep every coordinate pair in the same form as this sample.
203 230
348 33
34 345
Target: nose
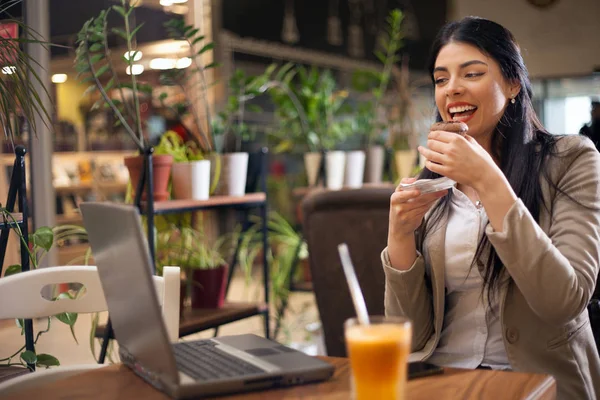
454 88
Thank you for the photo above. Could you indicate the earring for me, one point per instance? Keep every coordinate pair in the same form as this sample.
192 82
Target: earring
512 100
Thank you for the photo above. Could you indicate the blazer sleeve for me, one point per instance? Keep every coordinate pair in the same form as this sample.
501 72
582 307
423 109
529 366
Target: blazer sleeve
406 294
556 270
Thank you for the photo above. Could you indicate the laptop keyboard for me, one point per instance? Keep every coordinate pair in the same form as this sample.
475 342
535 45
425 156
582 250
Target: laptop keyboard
202 361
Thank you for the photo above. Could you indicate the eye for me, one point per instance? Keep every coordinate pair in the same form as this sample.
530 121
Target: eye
473 74
440 81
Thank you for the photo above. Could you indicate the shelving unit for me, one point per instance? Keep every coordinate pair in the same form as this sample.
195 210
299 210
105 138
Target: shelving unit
193 321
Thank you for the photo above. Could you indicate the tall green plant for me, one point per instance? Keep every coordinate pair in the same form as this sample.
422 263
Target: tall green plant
94 64
19 82
231 121
377 82
192 83
323 106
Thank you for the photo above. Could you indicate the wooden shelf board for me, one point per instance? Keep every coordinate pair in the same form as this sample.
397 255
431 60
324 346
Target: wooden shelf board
193 321
163 207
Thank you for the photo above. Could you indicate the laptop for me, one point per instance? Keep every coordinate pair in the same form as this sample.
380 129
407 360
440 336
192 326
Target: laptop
209 367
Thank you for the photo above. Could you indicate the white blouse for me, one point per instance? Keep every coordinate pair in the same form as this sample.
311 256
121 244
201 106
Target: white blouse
472 332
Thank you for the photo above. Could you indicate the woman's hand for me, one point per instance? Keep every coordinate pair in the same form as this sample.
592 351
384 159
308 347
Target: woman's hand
407 209
459 158
463 160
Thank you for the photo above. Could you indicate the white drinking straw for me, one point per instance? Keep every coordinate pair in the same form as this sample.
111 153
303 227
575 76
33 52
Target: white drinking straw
355 292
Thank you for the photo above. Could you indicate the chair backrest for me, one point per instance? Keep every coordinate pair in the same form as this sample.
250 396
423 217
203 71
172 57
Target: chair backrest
21 297
358 217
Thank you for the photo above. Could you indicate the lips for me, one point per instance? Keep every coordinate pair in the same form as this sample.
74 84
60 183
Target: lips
461 111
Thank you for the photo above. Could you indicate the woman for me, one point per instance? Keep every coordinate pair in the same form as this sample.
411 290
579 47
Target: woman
497 272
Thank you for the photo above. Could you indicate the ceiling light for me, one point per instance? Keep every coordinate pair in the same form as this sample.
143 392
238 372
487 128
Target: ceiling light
178 1
136 68
166 3
137 55
59 78
183 63
9 70
162 63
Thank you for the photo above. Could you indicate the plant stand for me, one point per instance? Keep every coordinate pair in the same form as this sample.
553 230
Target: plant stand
199 320
17 191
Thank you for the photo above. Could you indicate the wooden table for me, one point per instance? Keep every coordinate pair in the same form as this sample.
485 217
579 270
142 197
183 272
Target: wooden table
119 382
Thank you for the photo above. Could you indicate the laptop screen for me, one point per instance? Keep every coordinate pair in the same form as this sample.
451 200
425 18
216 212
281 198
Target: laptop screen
123 260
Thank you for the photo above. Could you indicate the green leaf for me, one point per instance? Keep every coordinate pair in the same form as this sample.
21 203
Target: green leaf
121 10
96 57
207 47
212 65
100 71
29 357
91 89
43 237
120 32
46 360
13 269
96 47
137 28
192 33
68 318
198 39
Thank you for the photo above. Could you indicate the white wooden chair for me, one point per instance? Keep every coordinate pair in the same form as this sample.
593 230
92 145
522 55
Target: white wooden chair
27 288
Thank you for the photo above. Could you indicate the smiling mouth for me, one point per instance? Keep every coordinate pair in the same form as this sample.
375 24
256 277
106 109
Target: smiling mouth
462 113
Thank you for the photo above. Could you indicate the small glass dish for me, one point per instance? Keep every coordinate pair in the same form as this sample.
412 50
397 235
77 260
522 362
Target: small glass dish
429 185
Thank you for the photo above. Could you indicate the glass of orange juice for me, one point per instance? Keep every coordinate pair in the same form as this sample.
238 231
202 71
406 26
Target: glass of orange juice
378 355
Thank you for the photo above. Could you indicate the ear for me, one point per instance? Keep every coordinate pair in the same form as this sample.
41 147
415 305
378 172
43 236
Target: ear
514 88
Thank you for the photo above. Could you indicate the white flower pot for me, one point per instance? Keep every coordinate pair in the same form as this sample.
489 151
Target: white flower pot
374 164
336 161
405 162
191 180
234 174
312 163
355 169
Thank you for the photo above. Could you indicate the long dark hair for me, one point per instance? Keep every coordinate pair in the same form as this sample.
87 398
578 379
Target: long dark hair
519 142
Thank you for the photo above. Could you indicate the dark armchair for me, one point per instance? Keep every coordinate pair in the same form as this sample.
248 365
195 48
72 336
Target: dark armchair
358 217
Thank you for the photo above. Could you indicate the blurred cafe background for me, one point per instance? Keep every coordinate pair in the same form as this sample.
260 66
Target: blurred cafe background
293 76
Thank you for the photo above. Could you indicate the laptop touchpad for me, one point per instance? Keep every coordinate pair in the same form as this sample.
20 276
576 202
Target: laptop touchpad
262 352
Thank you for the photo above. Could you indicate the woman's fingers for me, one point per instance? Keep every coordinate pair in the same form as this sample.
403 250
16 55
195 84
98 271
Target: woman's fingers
406 201
432 155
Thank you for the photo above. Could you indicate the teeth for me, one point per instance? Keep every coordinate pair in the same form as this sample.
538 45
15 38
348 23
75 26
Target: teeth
454 110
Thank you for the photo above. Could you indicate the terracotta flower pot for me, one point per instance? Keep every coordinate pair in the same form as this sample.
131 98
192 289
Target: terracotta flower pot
208 287
161 171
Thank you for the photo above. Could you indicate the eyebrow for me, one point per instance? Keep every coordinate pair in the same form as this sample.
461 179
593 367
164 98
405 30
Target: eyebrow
463 65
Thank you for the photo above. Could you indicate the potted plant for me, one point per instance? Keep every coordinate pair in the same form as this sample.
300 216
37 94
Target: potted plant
94 64
192 85
285 248
230 126
323 106
372 121
203 264
401 116
190 174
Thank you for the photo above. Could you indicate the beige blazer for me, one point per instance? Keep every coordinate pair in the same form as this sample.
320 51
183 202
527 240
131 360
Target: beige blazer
550 274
